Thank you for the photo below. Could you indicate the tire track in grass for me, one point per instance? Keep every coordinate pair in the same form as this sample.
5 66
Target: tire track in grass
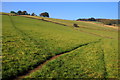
30 38
24 35
104 64
94 34
52 58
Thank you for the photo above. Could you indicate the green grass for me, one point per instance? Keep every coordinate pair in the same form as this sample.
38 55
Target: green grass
29 42
80 23
97 28
96 60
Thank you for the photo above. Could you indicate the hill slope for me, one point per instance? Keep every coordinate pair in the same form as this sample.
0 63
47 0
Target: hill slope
28 43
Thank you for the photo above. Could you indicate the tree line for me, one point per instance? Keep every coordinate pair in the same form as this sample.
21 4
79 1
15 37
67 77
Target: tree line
44 14
113 22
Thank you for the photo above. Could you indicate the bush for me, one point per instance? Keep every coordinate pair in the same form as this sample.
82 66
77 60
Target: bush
75 25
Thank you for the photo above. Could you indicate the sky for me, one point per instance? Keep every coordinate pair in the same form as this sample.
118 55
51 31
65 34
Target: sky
60 0
66 10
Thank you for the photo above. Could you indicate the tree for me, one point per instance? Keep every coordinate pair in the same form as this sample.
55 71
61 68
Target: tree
13 12
24 13
33 14
45 14
19 12
91 19
75 25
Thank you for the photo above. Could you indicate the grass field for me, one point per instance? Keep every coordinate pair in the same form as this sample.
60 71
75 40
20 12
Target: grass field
99 29
91 61
90 51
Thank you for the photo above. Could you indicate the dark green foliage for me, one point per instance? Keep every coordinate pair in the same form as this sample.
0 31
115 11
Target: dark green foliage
91 19
33 14
45 14
19 12
113 22
75 25
24 13
13 12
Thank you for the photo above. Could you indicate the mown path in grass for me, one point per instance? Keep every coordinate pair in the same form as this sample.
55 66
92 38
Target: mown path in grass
95 34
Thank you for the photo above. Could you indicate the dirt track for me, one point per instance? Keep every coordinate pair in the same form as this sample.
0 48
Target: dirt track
52 58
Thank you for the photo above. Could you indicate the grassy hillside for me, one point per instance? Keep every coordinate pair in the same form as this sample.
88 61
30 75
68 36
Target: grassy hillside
30 42
96 28
91 61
